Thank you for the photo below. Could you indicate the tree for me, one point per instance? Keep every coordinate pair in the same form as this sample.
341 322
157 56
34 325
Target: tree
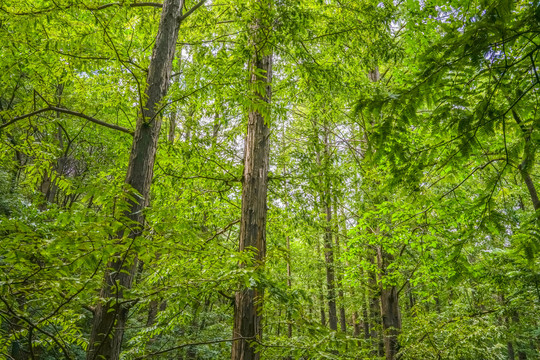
110 316
247 327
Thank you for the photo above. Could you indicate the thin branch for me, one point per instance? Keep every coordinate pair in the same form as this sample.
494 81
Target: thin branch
33 326
101 7
333 33
519 98
471 174
141 4
192 10
158 112
222 231
459 318
191 344
232 298
69 112
120 60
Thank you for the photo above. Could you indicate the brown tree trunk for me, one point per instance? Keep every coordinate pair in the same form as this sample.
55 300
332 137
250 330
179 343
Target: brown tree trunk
330 275
391 317
20 346
326 203
339 275
356 324
111 312
524 171
365 319
363 322
172 127
153 308
374 325
320 285
289 286
321 301
510 347
248 301
520 353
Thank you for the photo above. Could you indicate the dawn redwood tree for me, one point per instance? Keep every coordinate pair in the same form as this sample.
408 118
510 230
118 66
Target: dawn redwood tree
326 202
390 312
248 301
111 313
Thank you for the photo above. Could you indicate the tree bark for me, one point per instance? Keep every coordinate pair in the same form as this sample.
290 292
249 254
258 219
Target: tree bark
248 301
374 325
172 127
330 275
391 317
320 285
111 312
289 286
326 204
510 348
339 275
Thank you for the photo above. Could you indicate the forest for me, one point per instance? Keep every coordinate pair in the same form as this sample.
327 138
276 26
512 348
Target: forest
269 179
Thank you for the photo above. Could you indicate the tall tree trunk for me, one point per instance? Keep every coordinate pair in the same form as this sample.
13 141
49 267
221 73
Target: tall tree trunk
20 346
510 348
172 127
356 324
330 275
374 316
111 312
366 301
248 301
391 318
320 286
365 319
339 275
326 200
522 355
289 286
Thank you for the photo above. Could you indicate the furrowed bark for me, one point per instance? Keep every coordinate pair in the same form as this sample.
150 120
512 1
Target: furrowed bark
330 276
248 301
390 314
326 204
111 312
339 275
328 243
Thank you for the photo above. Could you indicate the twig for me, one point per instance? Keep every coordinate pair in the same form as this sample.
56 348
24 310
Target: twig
69 112
191 344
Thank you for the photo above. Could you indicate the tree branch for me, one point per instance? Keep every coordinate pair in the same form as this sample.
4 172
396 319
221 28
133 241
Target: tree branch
46 10
191 344
141 4
69 112
192 10
222 231
34 326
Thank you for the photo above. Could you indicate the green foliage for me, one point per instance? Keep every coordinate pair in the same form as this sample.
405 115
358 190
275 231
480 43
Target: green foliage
414 124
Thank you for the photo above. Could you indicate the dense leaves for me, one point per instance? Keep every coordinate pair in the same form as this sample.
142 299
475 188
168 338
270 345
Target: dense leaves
402 186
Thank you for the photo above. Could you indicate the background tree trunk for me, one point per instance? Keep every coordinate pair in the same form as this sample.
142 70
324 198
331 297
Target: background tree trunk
330 276
339 274
391 318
